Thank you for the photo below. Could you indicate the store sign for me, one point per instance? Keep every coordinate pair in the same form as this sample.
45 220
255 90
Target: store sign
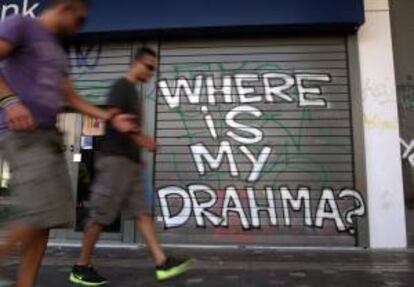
27 8
157 15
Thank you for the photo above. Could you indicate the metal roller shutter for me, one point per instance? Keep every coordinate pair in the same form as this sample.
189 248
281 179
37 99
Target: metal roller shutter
309 139
95 67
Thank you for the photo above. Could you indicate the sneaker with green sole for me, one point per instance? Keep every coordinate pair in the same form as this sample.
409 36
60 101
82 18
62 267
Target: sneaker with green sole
172 268
86 276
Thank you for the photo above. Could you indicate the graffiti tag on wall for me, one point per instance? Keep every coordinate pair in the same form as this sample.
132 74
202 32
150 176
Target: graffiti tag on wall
240 135
408 151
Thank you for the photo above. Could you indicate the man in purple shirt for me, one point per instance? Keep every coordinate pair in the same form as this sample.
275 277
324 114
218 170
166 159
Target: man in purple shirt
34 85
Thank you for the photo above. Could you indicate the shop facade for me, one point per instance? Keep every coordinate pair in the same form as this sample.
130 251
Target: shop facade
270 119
403 42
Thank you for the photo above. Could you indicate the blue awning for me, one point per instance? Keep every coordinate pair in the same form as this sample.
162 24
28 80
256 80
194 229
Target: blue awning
169 15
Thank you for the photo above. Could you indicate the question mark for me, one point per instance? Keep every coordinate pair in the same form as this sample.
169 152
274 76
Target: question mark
358 211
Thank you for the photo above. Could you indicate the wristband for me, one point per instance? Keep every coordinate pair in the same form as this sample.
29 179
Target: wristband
7 100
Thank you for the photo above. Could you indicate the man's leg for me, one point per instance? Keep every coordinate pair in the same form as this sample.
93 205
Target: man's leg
42 204
83 273
13 236
146 226
33 250
166 267
106 201
90 238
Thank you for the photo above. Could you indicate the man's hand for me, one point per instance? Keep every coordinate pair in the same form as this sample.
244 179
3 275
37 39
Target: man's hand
19 118
150 144
145 141
125 123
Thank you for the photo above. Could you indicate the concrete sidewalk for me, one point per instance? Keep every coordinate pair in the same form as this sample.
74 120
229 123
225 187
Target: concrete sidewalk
293 268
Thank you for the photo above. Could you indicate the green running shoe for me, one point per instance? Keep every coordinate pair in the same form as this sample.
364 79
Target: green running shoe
172 268
86 276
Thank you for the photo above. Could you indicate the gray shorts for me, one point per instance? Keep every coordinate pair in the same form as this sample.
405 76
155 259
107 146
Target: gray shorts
117 187
40 183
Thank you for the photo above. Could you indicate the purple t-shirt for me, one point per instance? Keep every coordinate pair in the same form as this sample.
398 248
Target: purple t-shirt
36 69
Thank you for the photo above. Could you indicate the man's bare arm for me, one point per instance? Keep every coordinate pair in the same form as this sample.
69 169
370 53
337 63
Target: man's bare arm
18 116
122 122
5 50
82 105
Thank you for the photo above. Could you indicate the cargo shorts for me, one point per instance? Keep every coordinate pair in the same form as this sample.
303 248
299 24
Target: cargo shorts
41 187
118 186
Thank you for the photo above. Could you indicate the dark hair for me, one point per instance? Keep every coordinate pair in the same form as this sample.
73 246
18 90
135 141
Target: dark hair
53 3
144 51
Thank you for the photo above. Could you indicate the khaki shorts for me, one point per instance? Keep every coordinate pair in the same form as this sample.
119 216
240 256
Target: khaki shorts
117 187
40 183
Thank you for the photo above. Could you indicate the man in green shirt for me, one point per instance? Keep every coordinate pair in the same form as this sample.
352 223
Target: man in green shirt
118 185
